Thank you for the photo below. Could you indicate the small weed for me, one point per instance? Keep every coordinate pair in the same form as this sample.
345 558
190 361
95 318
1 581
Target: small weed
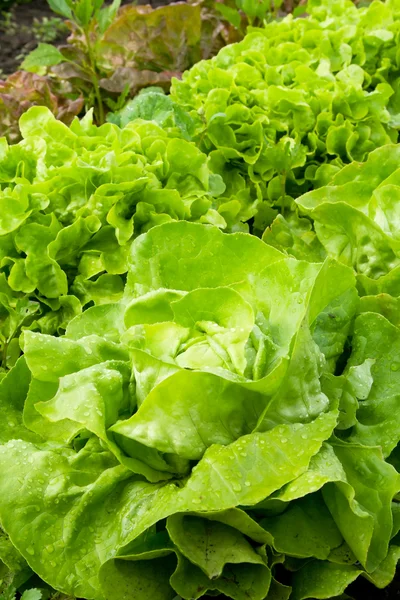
8 23
47 30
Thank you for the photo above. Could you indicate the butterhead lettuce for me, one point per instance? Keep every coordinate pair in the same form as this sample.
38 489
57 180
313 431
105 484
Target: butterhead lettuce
209 426
198 411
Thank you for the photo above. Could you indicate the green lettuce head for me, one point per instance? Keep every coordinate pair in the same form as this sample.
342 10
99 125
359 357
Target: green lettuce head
206 428
280 112
72 200
354 219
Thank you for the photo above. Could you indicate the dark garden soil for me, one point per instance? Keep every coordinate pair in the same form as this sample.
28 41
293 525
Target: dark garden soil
17 37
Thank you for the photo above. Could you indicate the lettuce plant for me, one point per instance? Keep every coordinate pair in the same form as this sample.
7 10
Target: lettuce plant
114 53
284 109
73 199
222 416
353 219
206 429
21 90
242 13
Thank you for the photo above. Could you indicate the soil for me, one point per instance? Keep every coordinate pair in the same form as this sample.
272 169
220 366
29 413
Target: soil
17 38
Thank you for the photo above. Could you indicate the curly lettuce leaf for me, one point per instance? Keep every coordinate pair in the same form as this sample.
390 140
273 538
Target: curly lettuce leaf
286 107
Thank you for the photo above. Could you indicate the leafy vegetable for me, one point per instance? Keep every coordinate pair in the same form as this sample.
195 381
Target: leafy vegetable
355 216
152 104
73 199
21 90
84 193
197 430
354 220
280 112
114 53
198 410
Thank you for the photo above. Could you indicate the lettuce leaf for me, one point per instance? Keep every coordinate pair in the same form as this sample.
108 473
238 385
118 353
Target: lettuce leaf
73 199
191 437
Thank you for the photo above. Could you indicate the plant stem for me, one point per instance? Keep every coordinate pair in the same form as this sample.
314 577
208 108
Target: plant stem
95 80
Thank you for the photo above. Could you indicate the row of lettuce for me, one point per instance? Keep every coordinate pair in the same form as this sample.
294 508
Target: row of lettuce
198 410
239 140
111 53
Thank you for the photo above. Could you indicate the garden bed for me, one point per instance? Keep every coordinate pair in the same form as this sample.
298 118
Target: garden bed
200 302
20 30
17 35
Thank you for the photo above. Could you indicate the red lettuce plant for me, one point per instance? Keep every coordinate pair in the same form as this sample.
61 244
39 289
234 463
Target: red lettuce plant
21 90
112 53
